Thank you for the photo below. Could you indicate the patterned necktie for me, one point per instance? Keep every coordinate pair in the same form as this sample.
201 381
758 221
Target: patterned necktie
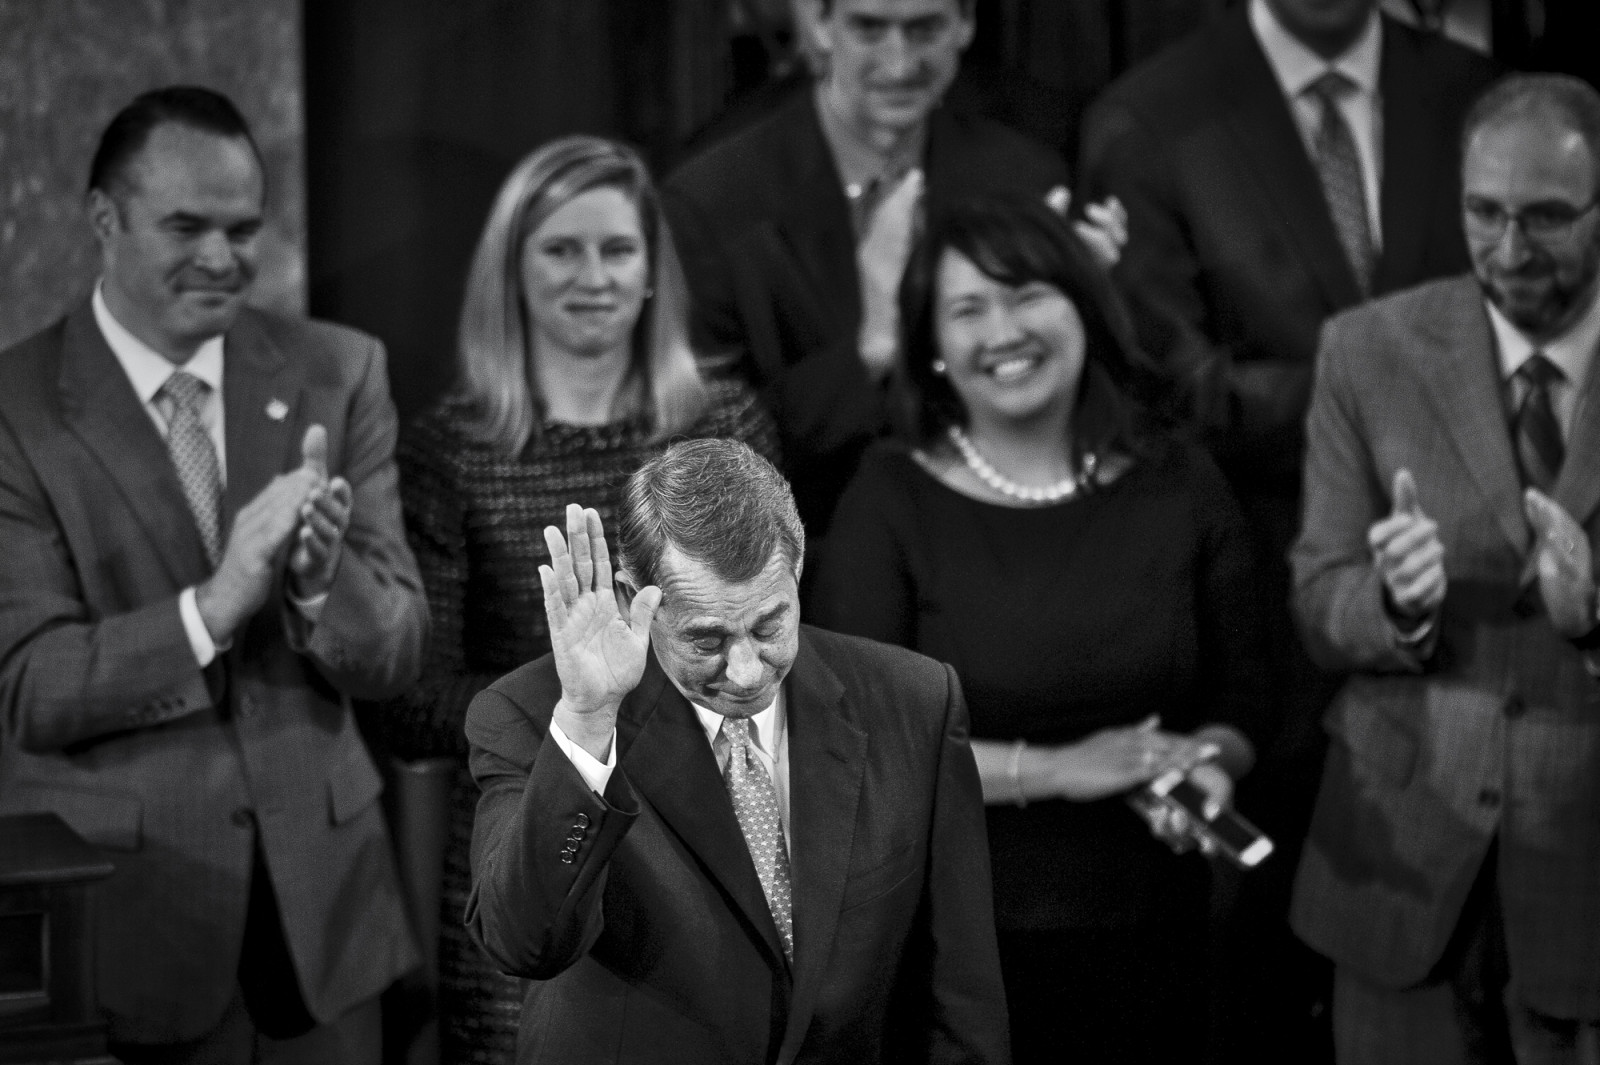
755 804
1339 167
1534 428
195 457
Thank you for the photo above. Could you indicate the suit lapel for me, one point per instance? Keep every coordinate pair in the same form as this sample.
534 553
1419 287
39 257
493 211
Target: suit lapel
102 410
1457 368
261 399
813 218
827 758
666 756
1412 157
1259 121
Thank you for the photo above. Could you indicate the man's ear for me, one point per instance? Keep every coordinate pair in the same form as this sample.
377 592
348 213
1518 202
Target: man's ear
966 26
814 30
105 217
623 584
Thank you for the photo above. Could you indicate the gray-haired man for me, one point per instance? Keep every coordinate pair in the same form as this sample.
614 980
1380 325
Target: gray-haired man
710 833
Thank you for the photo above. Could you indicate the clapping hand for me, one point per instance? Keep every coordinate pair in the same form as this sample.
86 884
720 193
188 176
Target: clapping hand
1408 554
324 517
1564 565
1104 228
881 261
599 653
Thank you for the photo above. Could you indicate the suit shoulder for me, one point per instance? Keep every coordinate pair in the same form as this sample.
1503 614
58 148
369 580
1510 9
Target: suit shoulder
1448 65
1171 90
518 703
315 335
729 176
1390 328
861 662
31 360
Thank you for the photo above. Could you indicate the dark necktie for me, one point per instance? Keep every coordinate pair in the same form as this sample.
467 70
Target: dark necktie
1534 428
194 456
755 804
1339 167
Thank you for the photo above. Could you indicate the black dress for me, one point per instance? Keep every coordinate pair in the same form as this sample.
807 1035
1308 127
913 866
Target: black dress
475 519
1061 620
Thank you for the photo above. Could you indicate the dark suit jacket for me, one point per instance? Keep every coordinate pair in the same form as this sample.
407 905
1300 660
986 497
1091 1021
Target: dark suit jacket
1497 733
1232 261
177 772
765 234
655 944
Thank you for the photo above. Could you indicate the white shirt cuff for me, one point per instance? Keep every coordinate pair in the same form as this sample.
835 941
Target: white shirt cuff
594 772
200 641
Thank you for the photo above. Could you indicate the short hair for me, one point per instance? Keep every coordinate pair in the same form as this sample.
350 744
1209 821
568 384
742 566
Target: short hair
494 349
1519 97
1123 401
193 106
715 501
968 7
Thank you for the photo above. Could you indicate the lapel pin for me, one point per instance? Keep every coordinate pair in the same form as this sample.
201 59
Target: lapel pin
277 410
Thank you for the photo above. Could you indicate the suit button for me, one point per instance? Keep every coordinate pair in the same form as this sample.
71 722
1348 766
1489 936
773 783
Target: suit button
244 817
1489 797
1515 707
578 832
582 820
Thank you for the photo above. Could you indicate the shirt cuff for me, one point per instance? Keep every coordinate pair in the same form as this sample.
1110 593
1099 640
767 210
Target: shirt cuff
200 641
594 772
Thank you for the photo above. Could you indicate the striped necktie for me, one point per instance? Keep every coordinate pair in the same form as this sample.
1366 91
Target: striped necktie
1534 428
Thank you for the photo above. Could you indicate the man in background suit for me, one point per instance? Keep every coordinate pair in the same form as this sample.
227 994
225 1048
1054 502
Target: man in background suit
1452 500
795 232
202 563
1253 214
712 834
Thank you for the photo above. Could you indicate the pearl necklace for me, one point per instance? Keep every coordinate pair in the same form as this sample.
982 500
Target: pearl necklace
1065 488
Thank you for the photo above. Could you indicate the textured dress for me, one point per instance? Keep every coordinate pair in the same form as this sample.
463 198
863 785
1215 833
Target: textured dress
1062 620
475 519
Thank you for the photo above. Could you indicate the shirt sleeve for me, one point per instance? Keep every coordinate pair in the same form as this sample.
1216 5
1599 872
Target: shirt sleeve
595 773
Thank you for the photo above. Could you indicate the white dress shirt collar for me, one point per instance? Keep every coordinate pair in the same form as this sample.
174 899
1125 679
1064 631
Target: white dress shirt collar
1572 351
1296 66
766 727
148 369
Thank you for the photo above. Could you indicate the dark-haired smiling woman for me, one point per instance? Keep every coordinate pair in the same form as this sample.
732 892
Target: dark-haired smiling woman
1088 575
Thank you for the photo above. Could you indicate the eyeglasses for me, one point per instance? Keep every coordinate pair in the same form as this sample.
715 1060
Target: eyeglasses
1550 220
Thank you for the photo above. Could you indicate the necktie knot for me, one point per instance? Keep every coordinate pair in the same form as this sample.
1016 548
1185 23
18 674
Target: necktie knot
736 730
1539 372
1331 87
185 389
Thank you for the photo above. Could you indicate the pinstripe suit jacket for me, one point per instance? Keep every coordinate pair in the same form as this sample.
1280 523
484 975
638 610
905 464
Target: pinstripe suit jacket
1497 731
106 719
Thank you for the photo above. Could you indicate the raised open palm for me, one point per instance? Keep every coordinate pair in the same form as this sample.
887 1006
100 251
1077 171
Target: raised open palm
599 653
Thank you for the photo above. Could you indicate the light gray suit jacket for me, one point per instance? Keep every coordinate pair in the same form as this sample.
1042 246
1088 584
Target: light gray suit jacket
1496 733
106 719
